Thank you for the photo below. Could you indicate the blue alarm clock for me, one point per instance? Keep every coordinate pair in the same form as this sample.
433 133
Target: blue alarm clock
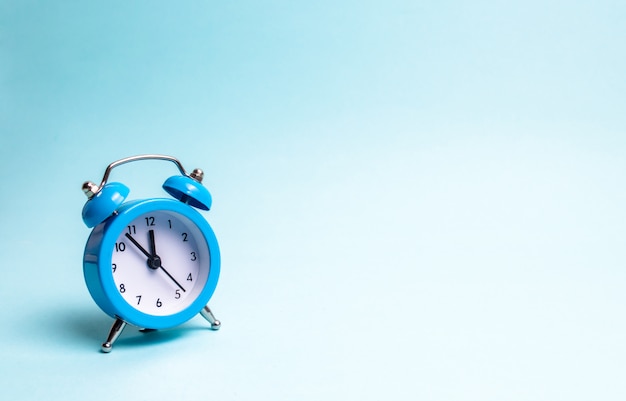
152 263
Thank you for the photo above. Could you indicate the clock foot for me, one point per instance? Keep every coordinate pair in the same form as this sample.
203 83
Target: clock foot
114 333
208 315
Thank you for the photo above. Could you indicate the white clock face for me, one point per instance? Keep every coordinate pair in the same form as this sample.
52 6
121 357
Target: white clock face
160 263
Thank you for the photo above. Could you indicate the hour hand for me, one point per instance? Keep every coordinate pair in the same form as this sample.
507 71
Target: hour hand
152 244
154 261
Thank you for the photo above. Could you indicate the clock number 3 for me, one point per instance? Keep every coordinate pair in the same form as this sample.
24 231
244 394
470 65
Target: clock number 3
193 256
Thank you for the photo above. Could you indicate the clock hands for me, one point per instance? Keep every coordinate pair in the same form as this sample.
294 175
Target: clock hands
134 241
173 279
154 261
152 244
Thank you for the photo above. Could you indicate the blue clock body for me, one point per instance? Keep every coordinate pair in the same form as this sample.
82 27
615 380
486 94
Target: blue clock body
101 246
153 263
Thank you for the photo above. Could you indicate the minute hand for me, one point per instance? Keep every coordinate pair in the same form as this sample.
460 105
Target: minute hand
173 279
156 260
141 248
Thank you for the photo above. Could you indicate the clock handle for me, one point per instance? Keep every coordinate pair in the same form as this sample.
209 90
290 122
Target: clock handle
91 189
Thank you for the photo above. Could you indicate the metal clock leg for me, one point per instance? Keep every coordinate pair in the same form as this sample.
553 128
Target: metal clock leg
115 332
208 315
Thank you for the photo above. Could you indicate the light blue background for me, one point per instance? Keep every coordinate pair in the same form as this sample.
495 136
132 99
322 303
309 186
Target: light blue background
414 200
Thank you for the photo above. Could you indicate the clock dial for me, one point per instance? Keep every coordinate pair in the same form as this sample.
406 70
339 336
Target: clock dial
160 263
